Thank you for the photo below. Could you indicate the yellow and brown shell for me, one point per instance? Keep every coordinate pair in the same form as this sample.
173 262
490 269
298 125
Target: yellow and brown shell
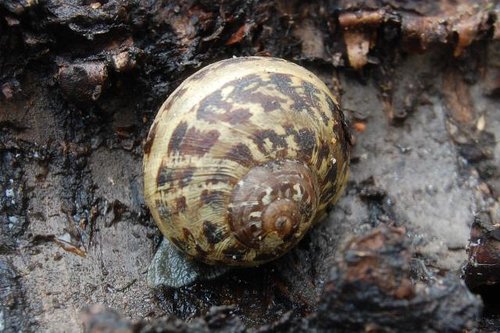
243 158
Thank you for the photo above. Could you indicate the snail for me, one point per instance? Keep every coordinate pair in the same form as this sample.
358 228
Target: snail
242 159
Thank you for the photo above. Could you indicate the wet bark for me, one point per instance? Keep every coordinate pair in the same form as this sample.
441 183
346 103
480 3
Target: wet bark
81 81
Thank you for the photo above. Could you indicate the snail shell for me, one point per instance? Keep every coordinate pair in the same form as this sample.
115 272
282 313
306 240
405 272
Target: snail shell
243 158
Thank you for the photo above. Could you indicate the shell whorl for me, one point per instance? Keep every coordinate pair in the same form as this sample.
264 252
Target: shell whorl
244 130
273 205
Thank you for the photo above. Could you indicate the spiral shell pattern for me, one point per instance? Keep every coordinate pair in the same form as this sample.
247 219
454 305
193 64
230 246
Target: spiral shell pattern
243 158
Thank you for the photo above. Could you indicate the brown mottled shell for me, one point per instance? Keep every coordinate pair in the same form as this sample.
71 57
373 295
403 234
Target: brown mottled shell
243 158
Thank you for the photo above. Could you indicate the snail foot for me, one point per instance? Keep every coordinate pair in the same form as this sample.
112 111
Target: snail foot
170 268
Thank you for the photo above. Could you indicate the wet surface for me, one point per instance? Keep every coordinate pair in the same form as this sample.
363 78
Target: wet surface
74 230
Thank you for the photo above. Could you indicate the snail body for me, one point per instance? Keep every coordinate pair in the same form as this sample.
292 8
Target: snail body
243 158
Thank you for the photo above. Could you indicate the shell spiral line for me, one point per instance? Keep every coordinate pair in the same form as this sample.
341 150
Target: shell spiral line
243 158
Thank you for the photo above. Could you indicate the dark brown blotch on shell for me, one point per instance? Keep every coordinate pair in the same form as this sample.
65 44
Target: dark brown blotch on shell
185 175
304 100
323 153
281 153
234 253
345 135
311 94
331 177
188 236
277 141
237 116
241 154
248 89
167 175
306 140
180 205
213 108
197 142
177 137
150 139
212 197
200 251
332 106
285 86
164 176
191 141
306 210
271 105
212 233
180 244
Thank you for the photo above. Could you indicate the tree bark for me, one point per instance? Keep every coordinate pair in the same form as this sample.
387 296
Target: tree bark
81 82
